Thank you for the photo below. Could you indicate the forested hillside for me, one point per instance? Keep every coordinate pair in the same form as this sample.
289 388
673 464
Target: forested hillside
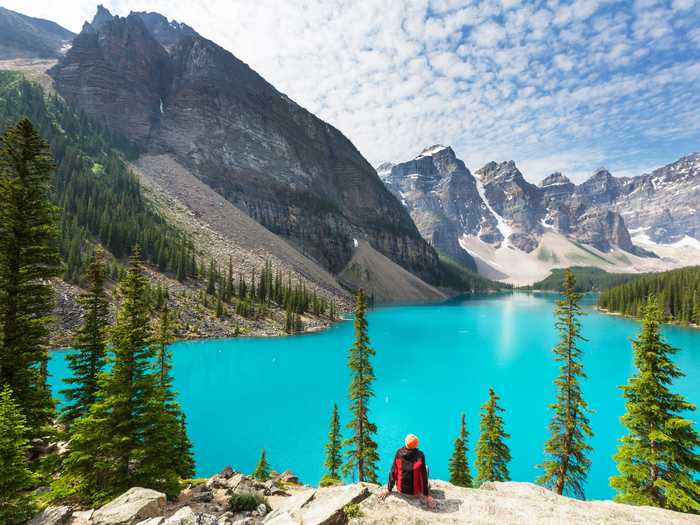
588 279
677 291
102 203
100 199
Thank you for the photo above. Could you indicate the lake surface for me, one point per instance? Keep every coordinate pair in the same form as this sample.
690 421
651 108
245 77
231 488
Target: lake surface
433 363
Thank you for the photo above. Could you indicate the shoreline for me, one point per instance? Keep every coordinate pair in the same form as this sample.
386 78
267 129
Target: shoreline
677 324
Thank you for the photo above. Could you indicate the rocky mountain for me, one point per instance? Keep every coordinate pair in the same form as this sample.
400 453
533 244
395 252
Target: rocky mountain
440 194
507 224
663 205
172 92
22 36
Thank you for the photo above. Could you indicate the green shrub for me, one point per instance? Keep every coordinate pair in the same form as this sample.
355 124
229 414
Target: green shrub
327 481
352 511
246 501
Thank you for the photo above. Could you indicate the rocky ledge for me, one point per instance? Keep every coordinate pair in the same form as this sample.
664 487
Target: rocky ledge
284 501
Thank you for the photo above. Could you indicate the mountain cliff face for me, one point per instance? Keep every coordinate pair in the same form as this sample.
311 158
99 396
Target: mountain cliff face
500 208
665 204
508 225
172 92
22 36
440 194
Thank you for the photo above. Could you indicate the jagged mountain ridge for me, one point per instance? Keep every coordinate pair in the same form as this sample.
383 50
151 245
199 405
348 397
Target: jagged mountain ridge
23 36
497 209
173 92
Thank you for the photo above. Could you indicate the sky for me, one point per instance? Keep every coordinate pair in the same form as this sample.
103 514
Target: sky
554 85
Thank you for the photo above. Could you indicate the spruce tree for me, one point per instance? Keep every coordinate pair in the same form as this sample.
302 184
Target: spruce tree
566 451
111 448
492 453
459 465
362 456
15 476
29 258
262 469
334 456
658 459
166 442
90 343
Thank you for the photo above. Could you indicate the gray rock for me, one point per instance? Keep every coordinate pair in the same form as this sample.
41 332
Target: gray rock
295 174
152 521
52 516
83 517
262 509
203 496
135 505
186 516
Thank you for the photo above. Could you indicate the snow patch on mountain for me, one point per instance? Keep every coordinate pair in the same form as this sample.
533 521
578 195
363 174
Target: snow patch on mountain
502 225
428 152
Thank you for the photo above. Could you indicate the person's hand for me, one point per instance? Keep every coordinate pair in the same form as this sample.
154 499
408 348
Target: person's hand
432 504
383 494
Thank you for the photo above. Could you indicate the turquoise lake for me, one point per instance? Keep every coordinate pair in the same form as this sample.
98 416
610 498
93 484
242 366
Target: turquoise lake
433 362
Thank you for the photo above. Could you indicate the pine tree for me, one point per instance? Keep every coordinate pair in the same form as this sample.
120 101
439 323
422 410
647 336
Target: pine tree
492 454
166 441
362 456
112 448
262 469
566 464
334 457
28 259
90 343
15 476
657 460
459 465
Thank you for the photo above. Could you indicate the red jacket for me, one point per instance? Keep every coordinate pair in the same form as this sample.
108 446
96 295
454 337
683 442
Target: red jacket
408 472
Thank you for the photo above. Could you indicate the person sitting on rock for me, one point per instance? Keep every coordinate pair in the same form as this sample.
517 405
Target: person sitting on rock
409 473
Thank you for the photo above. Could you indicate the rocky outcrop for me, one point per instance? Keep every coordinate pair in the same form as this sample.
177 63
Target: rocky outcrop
169 90
357 504
22 36
132 507
509 503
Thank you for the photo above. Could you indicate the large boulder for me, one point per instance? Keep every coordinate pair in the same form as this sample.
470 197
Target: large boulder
132 507
186 516
82 517
328 504
52 516
324 506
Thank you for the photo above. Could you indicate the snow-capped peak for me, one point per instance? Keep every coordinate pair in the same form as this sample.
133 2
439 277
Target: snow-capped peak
432 150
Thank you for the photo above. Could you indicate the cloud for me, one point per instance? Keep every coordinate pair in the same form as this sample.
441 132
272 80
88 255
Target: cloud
557 86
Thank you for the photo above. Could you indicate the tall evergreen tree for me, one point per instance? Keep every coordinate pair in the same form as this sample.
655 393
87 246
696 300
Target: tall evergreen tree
566 451
362 456
334 456
459 465
90 343
262 469
167 436
113 447
15 476
658 459
28 259
492 453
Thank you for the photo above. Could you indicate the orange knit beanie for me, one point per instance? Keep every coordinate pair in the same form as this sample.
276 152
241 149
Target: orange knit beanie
411 441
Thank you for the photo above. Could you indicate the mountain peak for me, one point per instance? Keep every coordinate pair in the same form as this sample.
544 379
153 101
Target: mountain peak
102 16
555 179
166 32
432 150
